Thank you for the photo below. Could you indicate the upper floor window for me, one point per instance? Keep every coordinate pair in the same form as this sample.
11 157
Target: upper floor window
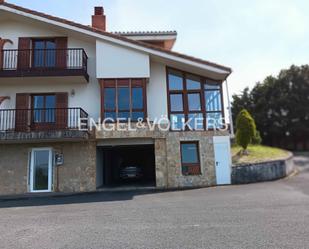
193 100
44 53
44 108
123 99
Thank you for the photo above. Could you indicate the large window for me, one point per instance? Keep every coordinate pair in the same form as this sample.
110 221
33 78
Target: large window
194 100
123 99
190 158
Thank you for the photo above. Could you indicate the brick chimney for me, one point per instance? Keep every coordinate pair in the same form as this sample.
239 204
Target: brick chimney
2 1
98 19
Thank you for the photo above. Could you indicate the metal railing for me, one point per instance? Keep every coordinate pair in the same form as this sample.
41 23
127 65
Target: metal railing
26 59
39 119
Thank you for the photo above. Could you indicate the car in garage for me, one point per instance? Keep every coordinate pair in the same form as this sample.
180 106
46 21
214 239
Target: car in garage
131 172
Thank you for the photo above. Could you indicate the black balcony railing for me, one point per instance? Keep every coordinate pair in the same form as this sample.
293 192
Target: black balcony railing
40 62
26 120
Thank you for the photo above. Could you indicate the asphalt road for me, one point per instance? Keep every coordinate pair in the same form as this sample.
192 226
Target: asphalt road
264 215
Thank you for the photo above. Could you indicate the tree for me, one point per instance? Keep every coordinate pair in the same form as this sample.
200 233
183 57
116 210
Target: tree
280 107
246 129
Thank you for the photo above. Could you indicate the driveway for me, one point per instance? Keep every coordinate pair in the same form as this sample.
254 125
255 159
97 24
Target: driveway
264 215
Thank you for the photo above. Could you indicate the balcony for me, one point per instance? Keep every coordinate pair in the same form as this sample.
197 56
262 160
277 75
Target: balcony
43 62
38 124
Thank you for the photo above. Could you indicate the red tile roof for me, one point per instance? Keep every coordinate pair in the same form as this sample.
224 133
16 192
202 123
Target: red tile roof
145 33
115 36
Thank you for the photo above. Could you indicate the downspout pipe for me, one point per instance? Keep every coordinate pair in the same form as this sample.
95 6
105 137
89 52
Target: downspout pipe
230 110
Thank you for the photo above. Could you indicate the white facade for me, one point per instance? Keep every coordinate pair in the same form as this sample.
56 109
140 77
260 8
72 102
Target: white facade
105 60
114 61
156 91
85 95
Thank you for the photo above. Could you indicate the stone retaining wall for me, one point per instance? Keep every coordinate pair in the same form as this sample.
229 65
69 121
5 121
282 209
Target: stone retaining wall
261 172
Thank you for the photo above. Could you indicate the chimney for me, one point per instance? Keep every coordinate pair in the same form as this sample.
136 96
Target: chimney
2 1
98 19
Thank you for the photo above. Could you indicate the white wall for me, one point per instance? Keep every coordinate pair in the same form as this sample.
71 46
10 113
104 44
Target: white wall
156 91
13 30
114 61
87 95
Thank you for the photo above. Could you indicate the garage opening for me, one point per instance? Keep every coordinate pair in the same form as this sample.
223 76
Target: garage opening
127 165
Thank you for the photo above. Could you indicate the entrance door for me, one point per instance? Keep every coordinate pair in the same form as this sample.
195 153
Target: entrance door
41 170
222 160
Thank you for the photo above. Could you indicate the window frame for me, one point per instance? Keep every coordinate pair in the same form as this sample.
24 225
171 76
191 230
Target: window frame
190 165
118 83
185 93
221 98
45 40
32 167
44 95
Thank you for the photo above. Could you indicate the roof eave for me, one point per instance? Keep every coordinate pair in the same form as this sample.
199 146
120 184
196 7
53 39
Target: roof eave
118 39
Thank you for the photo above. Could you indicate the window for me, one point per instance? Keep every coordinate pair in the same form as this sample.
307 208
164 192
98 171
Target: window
44 108
124 99
44 53
190 159
194 100
176 102
175 80
213 104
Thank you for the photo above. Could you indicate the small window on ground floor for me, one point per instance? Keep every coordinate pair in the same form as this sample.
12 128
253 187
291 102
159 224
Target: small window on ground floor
190 159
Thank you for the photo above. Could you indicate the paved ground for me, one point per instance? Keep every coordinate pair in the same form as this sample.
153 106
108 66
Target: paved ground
265 215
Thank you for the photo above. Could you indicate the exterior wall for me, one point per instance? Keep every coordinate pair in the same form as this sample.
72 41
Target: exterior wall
79 170
161 163
87 96
77 174
134 64
83 92
118 62
167 154
207 160
157 103
13 30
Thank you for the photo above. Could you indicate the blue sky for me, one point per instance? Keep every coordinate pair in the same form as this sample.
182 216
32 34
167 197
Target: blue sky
255 38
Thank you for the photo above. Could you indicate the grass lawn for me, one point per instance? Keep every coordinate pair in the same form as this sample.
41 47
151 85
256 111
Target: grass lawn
257 153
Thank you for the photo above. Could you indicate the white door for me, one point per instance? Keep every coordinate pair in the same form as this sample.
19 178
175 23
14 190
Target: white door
41 170
223 161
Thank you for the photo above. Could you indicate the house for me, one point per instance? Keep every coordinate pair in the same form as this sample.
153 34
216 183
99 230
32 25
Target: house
80 105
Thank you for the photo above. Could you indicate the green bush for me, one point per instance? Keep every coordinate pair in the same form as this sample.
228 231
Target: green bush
257 139
245 129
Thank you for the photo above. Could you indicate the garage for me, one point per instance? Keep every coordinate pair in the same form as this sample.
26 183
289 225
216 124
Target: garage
126 165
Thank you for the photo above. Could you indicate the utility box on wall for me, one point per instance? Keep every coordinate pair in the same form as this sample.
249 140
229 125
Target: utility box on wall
59 159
